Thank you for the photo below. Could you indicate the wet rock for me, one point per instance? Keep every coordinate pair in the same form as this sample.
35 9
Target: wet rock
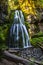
37 53
32 52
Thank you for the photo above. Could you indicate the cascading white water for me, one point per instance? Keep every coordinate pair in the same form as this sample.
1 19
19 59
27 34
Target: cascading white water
18 32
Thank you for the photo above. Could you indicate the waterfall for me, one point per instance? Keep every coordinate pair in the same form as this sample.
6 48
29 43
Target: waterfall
18 31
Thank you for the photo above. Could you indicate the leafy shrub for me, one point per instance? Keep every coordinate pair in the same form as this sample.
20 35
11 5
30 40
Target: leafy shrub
36 41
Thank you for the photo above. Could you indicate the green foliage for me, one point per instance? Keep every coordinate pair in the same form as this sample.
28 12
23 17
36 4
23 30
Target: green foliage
11 16
39 34
3 35
36 41
27 25
39 3
16 2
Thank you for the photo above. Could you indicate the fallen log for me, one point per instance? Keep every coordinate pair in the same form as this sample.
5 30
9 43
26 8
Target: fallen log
14 58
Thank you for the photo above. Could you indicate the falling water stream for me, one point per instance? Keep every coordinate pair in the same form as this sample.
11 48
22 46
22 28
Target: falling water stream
19 37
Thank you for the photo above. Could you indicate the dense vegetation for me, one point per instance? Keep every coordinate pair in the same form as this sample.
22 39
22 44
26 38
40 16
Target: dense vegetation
34 8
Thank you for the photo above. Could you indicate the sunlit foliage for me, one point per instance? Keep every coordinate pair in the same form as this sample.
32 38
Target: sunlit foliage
26 6
13 4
